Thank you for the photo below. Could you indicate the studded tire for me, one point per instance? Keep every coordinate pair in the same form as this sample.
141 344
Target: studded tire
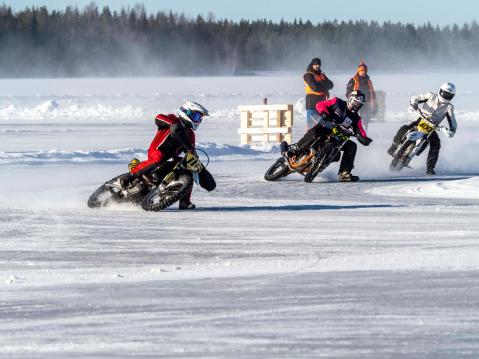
277 170
161 198
104 196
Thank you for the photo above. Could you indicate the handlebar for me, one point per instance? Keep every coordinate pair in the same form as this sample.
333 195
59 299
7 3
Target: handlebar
207 157
425 115
418 111
346 131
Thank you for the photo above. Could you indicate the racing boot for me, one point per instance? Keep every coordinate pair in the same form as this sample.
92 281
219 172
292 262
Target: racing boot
133 163
185 204
283 147
430 171
126 179
346 176
290 151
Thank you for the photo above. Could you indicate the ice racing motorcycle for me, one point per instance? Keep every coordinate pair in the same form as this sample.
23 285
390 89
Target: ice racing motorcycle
414 141
320 155
157 190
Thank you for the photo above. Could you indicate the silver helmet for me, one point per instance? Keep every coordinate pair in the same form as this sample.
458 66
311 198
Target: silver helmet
446 92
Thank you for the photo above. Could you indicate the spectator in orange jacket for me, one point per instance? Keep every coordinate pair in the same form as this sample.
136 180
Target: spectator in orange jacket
362 82
317 86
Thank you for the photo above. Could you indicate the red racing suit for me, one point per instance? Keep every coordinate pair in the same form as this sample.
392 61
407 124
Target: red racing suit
171 139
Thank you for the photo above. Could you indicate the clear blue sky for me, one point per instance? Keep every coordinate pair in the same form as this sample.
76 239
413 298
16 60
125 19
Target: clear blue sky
438 12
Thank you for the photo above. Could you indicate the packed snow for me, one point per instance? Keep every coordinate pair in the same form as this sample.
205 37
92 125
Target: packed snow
384 268
464 188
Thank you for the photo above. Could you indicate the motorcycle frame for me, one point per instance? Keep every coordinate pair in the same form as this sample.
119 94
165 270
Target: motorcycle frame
305 161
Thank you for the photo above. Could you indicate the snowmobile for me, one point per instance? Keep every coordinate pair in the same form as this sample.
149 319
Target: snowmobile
414 141
309 165
157 190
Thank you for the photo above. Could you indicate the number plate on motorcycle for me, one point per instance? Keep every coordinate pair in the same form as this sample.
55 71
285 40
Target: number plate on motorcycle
425 126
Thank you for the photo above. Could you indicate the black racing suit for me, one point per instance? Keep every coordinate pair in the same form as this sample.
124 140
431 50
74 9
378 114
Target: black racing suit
335 112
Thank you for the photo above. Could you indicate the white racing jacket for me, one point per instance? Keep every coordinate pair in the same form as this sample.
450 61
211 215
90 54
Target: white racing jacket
438 110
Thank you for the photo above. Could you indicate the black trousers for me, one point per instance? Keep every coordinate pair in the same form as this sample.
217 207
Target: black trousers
433 141
315 137
206 181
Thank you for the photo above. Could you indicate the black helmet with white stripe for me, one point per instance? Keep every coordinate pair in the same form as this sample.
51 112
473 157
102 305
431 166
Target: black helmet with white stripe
356 100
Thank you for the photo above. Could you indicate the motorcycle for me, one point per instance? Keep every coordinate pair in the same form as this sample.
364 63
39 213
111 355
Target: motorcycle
414 141
157 190
309 165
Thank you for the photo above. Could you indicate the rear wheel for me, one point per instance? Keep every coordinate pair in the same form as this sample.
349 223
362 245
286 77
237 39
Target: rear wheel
279 169
106 194
164 196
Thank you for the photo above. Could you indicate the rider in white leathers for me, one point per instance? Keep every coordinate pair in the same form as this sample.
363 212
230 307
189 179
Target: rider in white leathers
438 106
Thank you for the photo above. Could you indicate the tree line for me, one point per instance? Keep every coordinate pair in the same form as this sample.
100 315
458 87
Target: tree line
37 41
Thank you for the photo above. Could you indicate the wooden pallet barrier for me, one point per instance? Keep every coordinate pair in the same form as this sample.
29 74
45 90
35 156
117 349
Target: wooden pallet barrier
266 123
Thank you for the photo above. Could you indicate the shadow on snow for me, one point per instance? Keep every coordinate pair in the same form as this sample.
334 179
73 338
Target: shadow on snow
305 207
415 179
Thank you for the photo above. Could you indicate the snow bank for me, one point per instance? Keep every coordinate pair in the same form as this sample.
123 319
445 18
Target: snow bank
465 188
214 150
29 131
122 108
404 117
57 156
52 110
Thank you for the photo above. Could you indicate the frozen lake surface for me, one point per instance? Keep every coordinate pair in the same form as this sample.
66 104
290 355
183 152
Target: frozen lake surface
384 268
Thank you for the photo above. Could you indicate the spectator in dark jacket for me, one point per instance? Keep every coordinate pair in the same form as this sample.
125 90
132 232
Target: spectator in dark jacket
317 89
362 82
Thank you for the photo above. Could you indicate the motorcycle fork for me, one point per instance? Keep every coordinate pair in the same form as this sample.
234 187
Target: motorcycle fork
168 178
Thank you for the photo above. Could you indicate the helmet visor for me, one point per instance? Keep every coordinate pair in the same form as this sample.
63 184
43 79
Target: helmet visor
446 95
354 104
196 117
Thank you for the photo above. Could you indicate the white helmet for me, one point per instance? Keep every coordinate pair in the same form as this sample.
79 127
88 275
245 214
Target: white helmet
446 92
192 113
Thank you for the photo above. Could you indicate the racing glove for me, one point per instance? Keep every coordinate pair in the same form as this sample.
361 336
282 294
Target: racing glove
448 133
193 163
365 141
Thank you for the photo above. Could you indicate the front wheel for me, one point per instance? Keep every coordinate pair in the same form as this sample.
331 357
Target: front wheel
164 196
279 169
401 159
319 163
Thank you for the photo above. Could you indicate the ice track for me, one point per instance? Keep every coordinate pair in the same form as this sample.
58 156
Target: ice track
325 269
384 268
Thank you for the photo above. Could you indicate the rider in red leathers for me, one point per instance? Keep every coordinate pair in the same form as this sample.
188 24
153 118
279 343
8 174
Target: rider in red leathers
175 135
